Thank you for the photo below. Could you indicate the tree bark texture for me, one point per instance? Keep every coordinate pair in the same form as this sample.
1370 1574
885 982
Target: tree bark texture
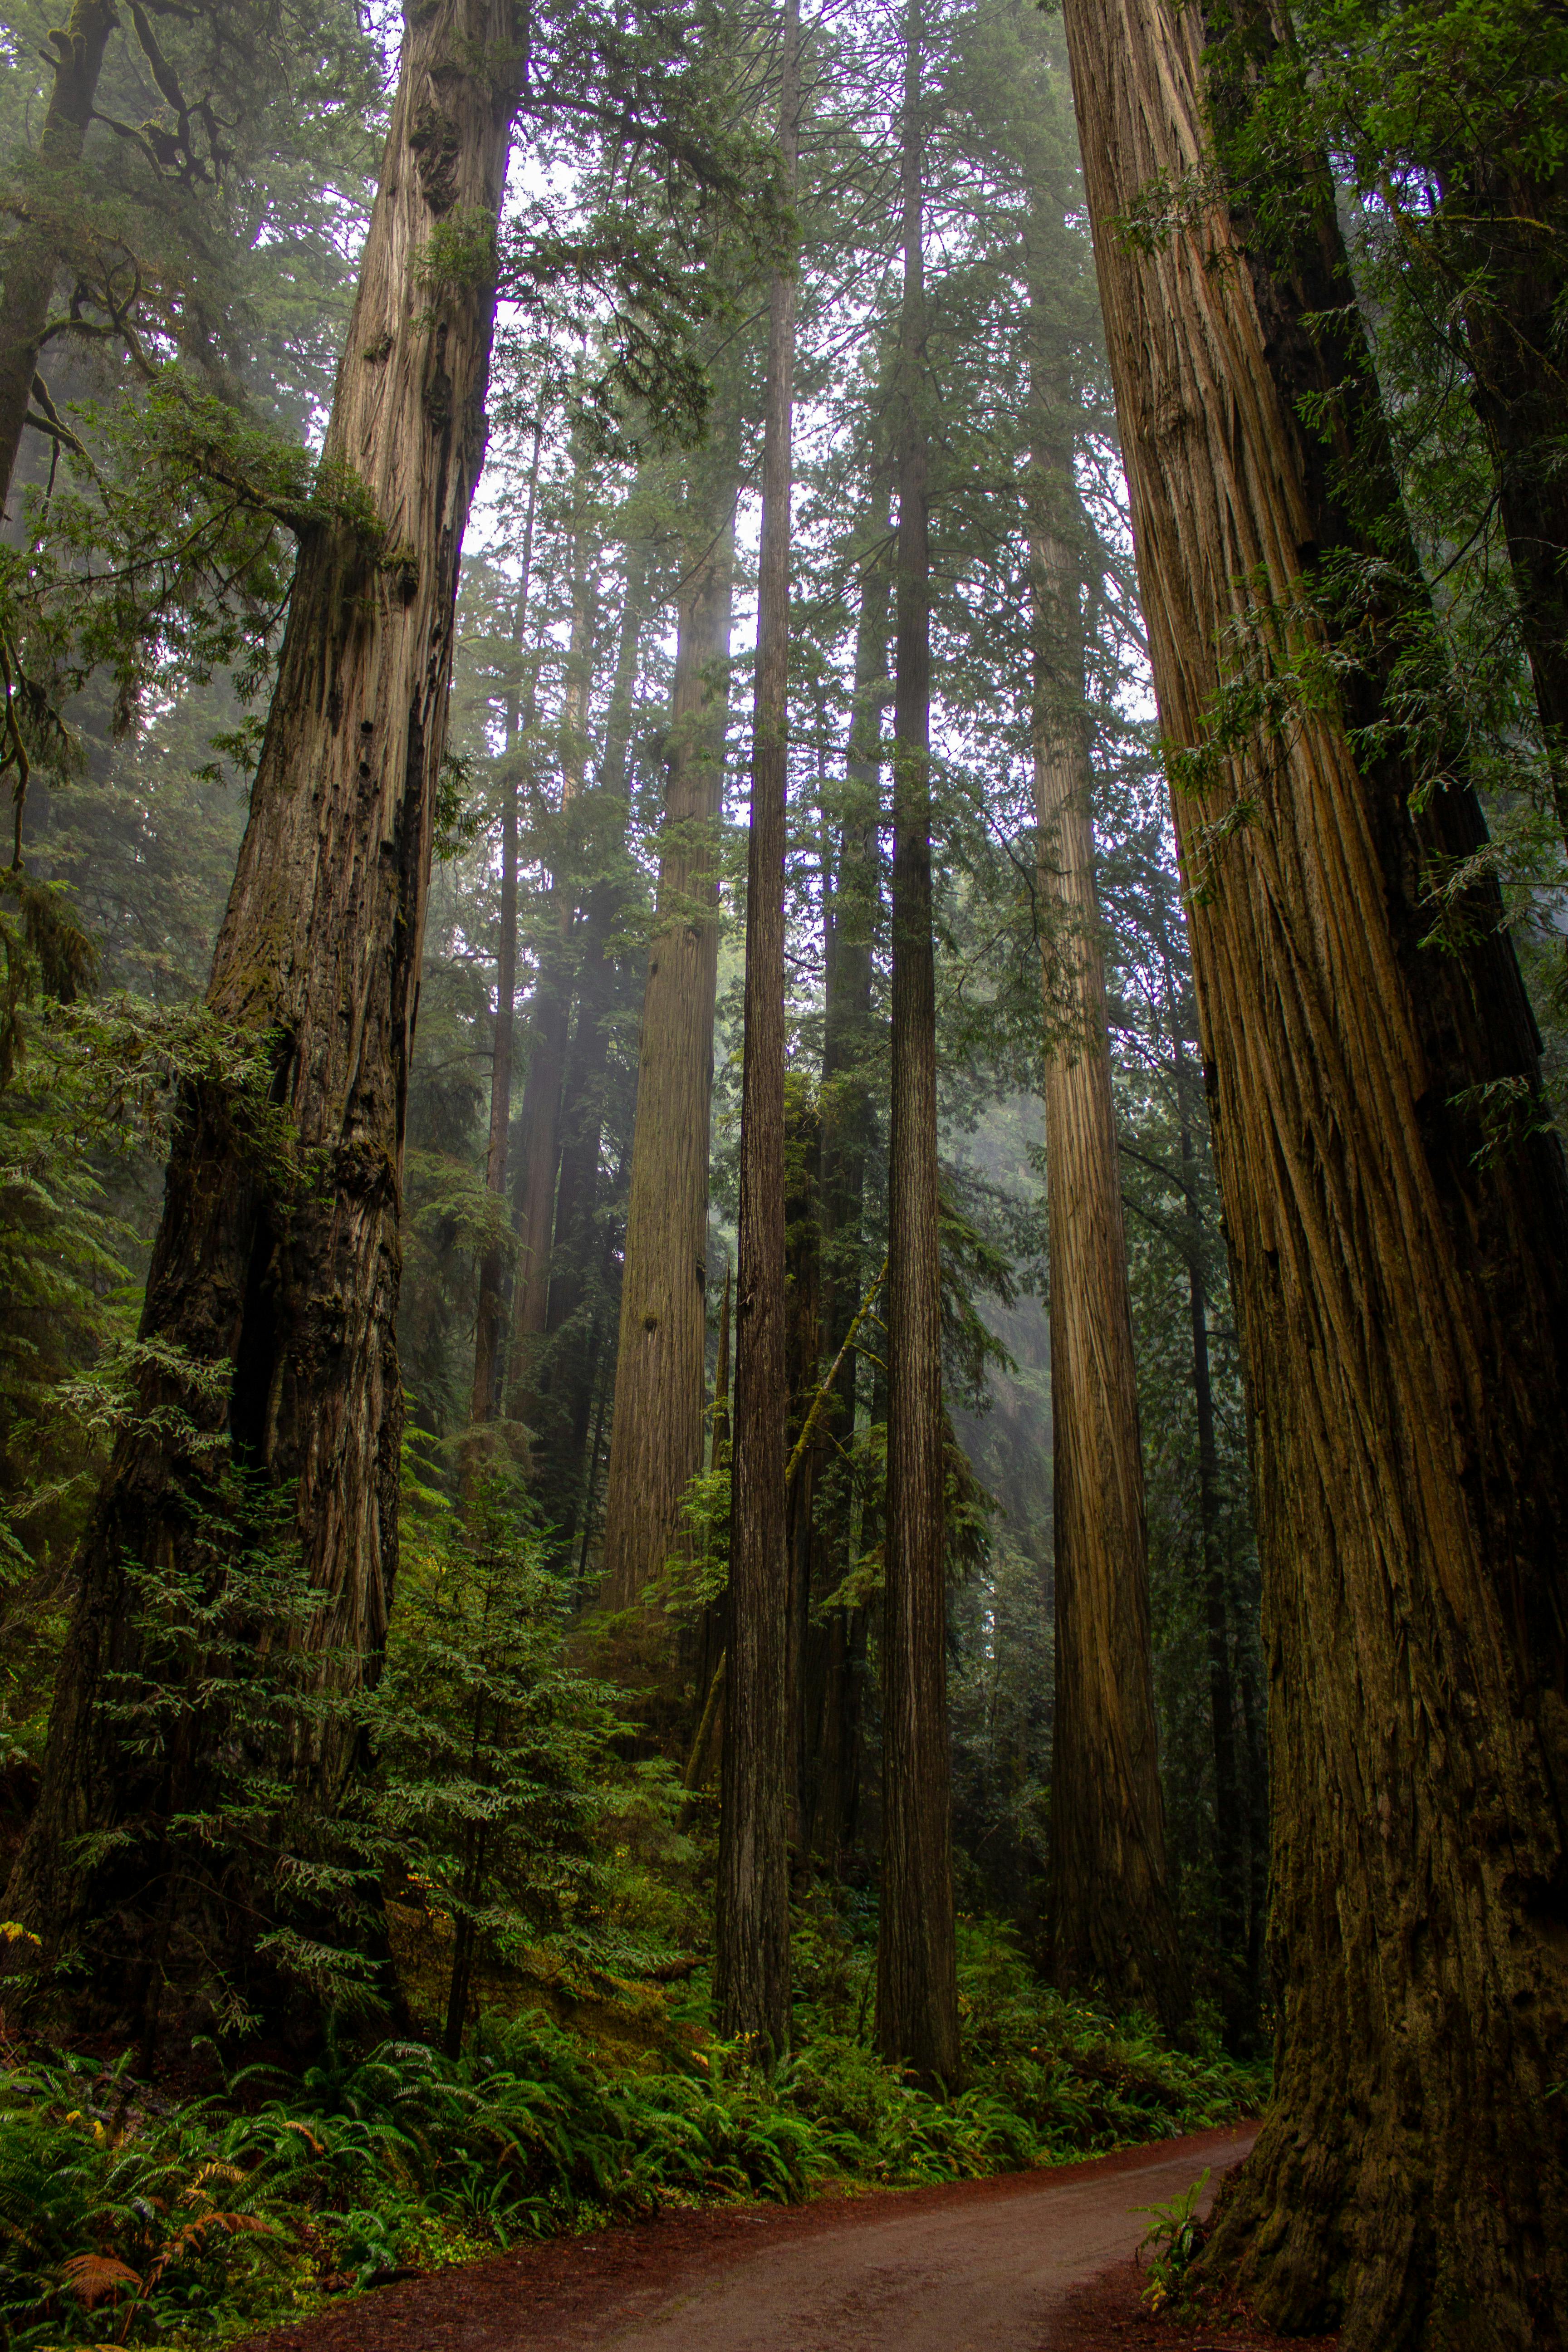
751 1980
804 1647
490 1310
655 1433
1111 1922
843 1100
285 1277
552 1019
1397 1217
583 1123
36 257
917 1983
1229 1841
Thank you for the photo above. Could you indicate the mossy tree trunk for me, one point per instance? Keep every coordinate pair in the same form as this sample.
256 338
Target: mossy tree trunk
283 1279
1395 1204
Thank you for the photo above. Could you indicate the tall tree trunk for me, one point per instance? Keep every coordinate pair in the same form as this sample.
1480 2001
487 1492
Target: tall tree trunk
1229 1839
655 1433
34 253
490 1316
803 1645
1397 1211
1111 1921
552 1011
849 918
288 1288
584 1110
917 1980
751 1960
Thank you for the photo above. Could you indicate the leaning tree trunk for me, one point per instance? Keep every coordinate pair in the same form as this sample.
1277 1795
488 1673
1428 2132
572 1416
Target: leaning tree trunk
1396 1207
1111 1922
277 1270
752 1946
655 1435
34 261
917 1982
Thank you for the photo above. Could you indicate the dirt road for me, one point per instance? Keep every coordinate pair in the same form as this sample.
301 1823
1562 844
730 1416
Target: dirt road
984 2276
979 2267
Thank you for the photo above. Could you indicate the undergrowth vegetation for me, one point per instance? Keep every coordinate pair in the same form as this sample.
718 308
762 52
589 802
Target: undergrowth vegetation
133 2216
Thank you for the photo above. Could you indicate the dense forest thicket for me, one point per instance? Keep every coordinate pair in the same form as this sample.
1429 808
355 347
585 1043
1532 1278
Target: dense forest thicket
782 1335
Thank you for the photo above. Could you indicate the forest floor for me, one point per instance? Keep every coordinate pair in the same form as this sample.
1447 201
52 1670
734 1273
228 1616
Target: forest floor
1025 2261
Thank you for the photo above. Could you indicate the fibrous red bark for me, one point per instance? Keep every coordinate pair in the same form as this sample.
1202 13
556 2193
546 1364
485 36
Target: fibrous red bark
656 1432
282 1274
1396 1209
1111 1922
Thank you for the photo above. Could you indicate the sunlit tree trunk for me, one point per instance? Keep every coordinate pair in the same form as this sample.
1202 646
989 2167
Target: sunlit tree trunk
1111 1922
284 1277
1395 1205
751 1954
917 1984
655 1433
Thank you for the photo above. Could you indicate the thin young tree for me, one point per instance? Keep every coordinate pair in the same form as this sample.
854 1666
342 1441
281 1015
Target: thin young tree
751 1979
1396 1207
917 1978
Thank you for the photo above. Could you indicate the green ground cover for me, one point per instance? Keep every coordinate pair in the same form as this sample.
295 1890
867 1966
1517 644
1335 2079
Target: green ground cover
133 2215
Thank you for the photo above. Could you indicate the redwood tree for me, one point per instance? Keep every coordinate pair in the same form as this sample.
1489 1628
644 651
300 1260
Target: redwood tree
282 1274
1395 1204
489 1315
752 1958
656 1436
1111 1922
917 1983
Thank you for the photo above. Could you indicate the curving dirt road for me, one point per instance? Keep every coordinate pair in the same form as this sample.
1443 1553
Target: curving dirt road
983 2266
